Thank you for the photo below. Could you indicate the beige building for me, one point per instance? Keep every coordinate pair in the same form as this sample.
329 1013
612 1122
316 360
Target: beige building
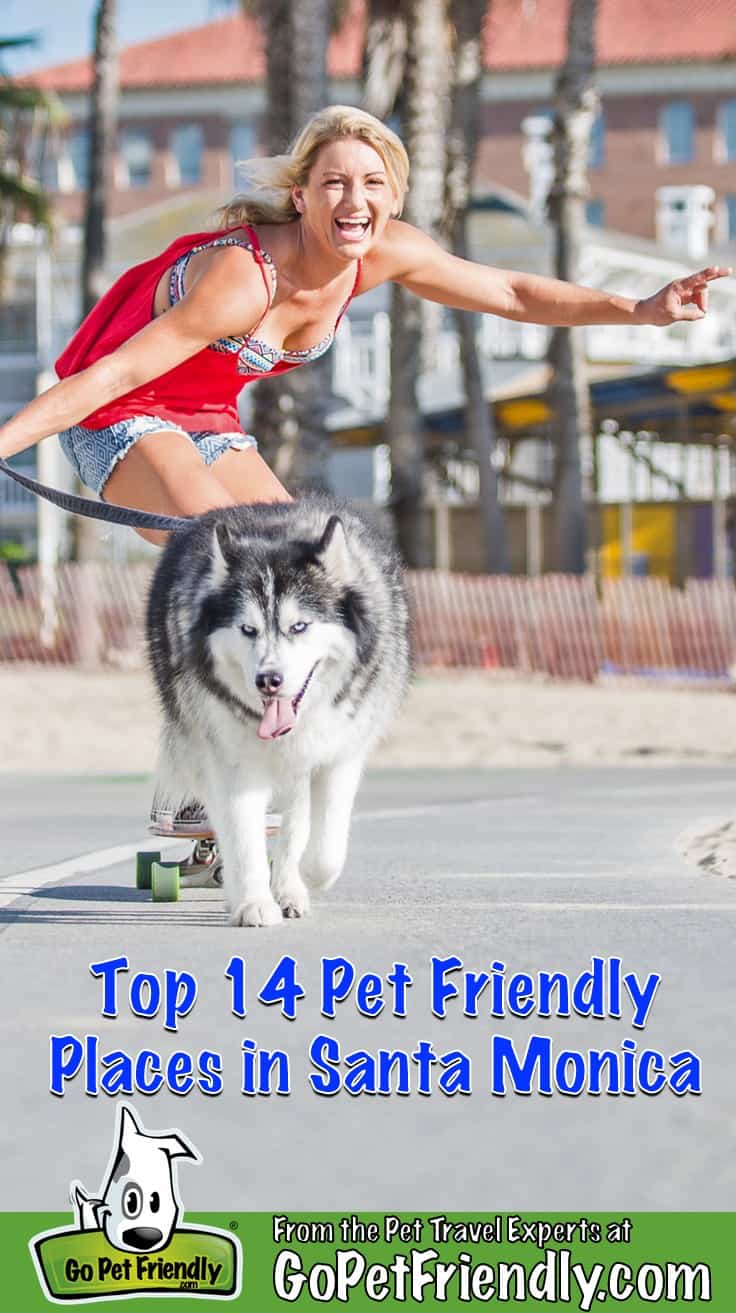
662 201
192 104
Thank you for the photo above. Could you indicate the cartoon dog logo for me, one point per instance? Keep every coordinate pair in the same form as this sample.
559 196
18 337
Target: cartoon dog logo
130 1239
138 1206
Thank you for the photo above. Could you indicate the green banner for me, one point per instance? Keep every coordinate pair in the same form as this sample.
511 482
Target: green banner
74 1265
368 1260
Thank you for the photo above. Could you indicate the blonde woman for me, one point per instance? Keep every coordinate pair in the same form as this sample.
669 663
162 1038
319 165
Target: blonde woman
146 408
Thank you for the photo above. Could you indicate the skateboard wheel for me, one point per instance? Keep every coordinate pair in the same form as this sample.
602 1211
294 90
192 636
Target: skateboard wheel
165 882
143 864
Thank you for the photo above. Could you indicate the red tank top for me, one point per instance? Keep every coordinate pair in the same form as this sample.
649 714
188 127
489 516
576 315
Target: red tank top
201 392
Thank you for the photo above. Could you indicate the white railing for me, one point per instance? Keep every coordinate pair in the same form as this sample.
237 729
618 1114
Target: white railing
361 366
13 497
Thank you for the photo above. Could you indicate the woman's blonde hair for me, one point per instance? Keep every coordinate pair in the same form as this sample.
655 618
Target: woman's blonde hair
270 180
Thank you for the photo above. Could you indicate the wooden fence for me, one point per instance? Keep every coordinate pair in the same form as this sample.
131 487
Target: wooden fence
560 625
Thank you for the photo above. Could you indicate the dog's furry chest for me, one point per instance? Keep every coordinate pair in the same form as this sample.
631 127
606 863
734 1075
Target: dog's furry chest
325 733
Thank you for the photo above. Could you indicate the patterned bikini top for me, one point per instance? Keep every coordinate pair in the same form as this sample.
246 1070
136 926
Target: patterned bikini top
255 356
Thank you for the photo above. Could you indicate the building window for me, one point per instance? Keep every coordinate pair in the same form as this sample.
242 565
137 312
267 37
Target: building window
726 138
186 147
73 165
595 213
243 146
597 150
42 159
729 218
136 155
677 128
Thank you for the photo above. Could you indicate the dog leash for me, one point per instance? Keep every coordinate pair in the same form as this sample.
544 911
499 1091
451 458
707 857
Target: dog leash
96 510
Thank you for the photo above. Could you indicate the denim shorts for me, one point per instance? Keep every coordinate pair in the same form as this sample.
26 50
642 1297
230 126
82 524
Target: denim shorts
94 453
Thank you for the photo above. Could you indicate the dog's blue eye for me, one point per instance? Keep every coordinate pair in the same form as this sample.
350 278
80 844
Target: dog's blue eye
248 630
299 627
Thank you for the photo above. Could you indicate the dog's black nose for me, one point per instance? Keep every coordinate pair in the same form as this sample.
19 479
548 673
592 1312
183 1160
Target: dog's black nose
142 1237
269 681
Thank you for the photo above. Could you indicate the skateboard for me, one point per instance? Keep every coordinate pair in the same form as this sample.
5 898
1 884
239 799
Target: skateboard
201 869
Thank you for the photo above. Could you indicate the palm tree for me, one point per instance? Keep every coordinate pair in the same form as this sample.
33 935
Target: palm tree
103 106
102 118
384 58
462 144
290 412
575 108
103 126
424 115
26 114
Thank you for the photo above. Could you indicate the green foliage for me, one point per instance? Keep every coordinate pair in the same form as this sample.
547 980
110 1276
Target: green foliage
24 111
15 553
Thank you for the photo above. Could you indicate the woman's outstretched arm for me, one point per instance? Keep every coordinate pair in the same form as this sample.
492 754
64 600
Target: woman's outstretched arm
413 259
226 300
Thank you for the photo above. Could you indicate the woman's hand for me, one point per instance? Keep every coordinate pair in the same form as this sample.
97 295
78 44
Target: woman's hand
685 298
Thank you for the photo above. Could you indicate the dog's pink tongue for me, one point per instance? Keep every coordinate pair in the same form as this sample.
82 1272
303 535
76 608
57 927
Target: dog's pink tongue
278 718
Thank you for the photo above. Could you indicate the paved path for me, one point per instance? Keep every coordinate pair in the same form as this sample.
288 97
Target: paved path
539 870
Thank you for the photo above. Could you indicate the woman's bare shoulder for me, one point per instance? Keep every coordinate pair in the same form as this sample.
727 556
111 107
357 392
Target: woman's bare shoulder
226 284
401 249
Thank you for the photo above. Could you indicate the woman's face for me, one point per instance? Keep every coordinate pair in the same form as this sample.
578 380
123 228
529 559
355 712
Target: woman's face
347 200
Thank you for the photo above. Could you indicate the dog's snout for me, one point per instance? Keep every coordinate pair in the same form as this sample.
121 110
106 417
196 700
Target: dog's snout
269 681
142 1237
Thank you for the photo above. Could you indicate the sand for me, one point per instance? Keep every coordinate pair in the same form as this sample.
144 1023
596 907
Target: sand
712 847
64 719
67 720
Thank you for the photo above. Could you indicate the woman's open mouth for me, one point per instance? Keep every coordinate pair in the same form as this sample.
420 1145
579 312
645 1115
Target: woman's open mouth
354 230
279 714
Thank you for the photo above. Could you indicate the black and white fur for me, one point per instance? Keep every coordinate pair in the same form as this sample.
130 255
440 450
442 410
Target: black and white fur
305 597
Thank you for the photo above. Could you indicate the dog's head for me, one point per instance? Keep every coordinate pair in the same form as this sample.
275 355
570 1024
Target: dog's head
140 1205
281 613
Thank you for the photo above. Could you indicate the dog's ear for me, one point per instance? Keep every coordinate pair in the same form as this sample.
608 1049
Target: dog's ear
333 553
129 1128
222 551
176 1146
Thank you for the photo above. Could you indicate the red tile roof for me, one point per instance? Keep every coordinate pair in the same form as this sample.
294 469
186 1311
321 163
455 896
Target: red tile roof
526 34
518 35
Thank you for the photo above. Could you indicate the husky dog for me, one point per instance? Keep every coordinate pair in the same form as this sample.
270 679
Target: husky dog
278 639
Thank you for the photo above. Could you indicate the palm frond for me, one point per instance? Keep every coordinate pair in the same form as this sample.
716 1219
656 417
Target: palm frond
23 194
29 98
16 42
25 110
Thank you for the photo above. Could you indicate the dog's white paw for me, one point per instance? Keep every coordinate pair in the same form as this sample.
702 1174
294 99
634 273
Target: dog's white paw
294 900
257 911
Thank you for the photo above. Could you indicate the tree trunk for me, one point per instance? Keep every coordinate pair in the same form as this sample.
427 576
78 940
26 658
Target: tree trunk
102 128
384 58
290 412
462 145
424 121
576 105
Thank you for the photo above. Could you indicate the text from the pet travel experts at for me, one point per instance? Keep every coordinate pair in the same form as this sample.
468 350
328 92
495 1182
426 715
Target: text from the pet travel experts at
511 1047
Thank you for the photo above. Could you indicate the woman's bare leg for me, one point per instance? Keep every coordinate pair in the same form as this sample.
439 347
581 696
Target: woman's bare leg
164 473
247 477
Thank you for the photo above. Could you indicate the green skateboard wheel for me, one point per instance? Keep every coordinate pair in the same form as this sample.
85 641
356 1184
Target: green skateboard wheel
165 882
143 864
